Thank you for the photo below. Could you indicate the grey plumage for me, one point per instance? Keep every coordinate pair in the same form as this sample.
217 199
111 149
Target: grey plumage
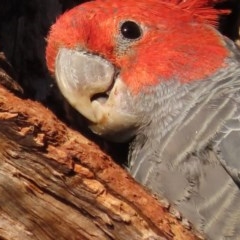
188 149
165 89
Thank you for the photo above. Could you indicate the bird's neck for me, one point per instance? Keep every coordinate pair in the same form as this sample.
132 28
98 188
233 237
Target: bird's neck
181 118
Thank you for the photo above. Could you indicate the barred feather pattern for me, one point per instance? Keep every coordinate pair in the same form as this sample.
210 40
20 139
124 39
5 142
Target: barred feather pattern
188 149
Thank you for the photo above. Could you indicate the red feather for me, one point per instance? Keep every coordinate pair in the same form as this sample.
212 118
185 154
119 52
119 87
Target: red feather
202 9
178 43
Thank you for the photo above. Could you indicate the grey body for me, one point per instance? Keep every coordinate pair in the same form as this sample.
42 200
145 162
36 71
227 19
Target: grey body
186 135
188 150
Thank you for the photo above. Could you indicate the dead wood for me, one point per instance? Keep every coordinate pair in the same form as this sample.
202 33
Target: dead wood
56 184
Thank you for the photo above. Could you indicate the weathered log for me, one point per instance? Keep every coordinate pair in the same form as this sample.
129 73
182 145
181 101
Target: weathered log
56 184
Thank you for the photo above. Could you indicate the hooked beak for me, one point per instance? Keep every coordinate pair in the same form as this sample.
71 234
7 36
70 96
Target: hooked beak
80 76
93 87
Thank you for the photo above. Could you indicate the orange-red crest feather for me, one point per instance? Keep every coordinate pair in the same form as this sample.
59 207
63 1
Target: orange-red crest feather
201 9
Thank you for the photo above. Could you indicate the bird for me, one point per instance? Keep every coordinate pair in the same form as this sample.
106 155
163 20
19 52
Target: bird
159 74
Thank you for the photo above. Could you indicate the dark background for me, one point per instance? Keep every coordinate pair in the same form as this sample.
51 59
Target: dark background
24 25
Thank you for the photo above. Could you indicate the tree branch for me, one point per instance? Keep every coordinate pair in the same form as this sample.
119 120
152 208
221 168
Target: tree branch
56 184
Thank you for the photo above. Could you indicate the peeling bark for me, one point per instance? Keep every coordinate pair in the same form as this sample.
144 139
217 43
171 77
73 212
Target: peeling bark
56 184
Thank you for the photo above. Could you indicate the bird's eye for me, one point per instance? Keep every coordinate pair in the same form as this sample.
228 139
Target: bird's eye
131 30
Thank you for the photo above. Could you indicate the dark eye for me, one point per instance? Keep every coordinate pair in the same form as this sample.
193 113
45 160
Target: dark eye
131 30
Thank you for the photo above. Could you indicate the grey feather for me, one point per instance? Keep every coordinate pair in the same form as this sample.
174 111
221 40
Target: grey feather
188 149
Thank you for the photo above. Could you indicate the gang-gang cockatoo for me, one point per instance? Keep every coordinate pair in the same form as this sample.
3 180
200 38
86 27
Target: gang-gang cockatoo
158 72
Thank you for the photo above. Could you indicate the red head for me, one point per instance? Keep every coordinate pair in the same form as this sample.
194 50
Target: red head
176 38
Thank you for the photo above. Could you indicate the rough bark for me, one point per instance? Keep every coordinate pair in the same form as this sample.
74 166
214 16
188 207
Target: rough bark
56 184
